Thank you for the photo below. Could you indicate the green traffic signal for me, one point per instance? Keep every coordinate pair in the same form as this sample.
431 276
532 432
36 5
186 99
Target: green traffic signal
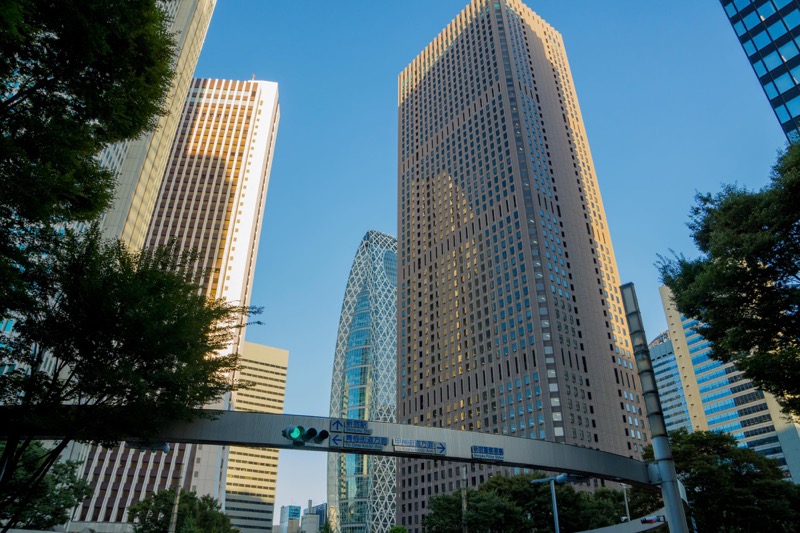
300 435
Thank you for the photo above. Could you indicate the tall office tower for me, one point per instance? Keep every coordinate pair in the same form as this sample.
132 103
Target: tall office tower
253 472
668 380
290 519
361 489
769 32
510 317
720 398
139 164
211 200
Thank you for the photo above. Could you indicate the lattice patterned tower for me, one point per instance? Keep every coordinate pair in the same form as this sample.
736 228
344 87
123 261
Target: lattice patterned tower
139 164
361 489
509 315
211 200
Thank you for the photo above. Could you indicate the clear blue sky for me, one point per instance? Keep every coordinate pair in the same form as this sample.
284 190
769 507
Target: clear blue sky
670 104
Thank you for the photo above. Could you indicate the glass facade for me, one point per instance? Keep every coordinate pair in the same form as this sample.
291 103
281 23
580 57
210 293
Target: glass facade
721 398
769 32
668 380
361 489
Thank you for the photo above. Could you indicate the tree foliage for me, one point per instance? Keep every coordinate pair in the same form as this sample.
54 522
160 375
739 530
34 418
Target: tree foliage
745 286
195 514
398 529
732 489
58 493
514 504
128 336
75 76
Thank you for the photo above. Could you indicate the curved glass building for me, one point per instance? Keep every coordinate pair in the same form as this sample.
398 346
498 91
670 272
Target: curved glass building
361 489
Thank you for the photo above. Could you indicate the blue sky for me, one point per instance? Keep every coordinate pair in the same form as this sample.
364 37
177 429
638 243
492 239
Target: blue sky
670 103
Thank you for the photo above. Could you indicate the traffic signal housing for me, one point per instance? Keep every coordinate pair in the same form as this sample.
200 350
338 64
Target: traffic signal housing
300 435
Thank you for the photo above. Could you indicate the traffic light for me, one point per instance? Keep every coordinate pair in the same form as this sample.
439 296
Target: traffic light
300 435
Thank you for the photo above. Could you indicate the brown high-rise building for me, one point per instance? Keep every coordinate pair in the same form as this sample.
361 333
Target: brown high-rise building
211 200
509 315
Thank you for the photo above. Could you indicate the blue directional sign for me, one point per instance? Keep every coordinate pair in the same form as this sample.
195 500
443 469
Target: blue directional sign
487 452
346 425
361 442
428 447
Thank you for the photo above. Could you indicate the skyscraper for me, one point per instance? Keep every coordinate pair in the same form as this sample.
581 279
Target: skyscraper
361 489
252 473
211 200
668 380
721 398
139 164
769 32
510 318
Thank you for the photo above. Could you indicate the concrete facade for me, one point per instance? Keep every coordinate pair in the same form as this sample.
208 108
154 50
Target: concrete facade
211 200
509 314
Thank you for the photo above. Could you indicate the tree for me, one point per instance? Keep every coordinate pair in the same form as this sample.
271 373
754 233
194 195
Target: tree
58 493
195 514
732 489
513 504
75 76
117 344
398 529
745 286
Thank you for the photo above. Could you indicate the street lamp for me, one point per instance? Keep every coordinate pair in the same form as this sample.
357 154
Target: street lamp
625 495
561 478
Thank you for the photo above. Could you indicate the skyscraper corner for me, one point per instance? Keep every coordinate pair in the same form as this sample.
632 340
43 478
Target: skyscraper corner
509 314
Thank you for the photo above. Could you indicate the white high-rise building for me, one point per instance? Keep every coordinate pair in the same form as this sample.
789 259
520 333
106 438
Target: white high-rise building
211 200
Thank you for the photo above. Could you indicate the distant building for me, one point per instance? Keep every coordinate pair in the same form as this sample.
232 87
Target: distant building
314 517
769 32
253 472
290 519
361 489
211 199
668 380
720 398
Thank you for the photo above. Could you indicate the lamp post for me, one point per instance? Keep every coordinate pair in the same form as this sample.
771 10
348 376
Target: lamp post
561 478
625 495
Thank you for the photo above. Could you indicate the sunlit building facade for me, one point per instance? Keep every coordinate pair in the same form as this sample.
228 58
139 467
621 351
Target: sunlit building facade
139 164
252 473
769 32
361 488
720 398
510 319
211 200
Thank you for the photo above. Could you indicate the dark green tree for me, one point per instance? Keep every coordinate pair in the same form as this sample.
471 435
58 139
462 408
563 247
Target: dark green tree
514 504
732 489
745 286
128 337
58 493
398 529
75 75
195 514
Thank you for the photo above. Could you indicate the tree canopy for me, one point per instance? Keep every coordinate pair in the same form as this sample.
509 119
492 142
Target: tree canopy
514 504
732 489
126 335
53 499
196 514
745 285
75 76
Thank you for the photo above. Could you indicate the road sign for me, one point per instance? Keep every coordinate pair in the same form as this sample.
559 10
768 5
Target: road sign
346 425
427 447
361 442
487 452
